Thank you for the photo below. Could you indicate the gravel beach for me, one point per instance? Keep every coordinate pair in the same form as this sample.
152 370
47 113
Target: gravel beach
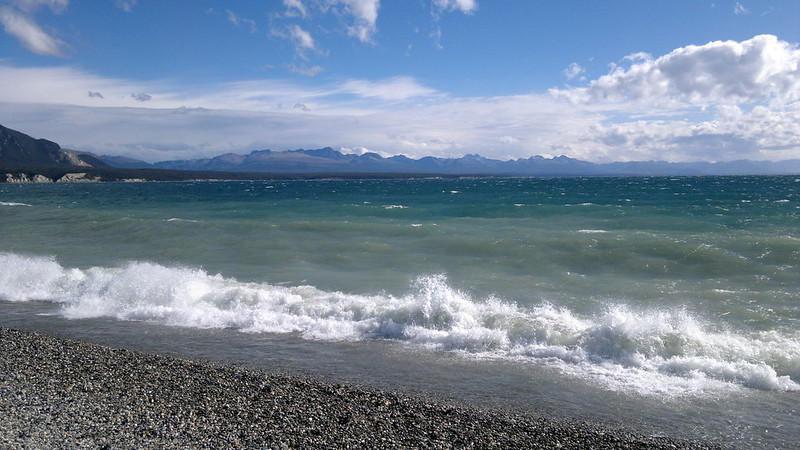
57 393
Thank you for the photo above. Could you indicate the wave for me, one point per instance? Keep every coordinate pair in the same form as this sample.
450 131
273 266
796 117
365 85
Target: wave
13 204
659 352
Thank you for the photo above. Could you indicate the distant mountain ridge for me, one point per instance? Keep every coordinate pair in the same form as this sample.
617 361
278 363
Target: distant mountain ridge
18 150
328 160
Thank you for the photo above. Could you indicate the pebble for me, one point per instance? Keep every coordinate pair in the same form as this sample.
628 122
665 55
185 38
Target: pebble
59 393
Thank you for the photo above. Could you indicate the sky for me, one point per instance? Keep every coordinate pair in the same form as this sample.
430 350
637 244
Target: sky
601 81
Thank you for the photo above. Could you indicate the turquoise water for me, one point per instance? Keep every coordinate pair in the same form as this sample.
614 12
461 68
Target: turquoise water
667 303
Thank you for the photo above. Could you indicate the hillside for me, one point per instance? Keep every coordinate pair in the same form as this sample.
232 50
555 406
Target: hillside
20 150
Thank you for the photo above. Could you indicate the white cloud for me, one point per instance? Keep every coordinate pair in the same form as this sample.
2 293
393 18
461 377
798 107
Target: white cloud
718 101
56 6
20 25
294 7
302 38
508 140
238 20
738 9
465 6
573 71
66 86
761 69
125 5
438 6
360 16
638 56
304 70
303 43
396 88
365 13
244 116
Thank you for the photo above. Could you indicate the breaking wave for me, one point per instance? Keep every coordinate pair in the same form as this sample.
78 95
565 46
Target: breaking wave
659 352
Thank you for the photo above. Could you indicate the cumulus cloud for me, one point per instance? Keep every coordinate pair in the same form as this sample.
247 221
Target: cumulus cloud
760 69
18 22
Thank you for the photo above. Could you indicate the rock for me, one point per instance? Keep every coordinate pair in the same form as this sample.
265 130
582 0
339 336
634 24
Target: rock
23 178
77 177
57 393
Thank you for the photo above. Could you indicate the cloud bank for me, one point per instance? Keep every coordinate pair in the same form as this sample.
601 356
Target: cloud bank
723 100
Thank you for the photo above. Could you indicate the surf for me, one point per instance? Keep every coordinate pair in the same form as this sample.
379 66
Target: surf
649 351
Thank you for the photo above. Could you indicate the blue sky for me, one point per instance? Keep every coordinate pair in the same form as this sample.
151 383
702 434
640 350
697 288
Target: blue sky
599 81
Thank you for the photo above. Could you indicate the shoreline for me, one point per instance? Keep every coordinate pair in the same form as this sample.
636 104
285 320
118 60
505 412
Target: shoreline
58 392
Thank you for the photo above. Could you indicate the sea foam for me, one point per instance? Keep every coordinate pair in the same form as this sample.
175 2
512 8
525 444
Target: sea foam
658 352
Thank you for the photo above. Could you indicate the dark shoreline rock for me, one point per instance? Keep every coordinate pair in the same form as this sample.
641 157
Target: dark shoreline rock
63 393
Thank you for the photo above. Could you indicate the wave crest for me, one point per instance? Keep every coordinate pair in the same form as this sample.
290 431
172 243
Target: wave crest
653 351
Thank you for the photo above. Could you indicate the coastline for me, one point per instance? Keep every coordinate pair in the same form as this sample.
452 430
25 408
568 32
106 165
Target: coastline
62 393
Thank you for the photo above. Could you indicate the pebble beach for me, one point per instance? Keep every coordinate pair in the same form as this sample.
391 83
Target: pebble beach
59 393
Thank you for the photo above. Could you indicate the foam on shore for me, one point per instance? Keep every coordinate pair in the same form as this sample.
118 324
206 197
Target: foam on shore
650 351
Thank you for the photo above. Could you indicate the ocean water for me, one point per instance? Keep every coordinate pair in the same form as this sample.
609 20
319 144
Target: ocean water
671 305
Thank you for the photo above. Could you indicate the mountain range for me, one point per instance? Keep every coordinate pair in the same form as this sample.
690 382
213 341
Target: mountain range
328 160
18 150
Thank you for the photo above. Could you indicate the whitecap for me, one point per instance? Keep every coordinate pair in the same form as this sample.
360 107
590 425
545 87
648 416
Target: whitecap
650 352
13 204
